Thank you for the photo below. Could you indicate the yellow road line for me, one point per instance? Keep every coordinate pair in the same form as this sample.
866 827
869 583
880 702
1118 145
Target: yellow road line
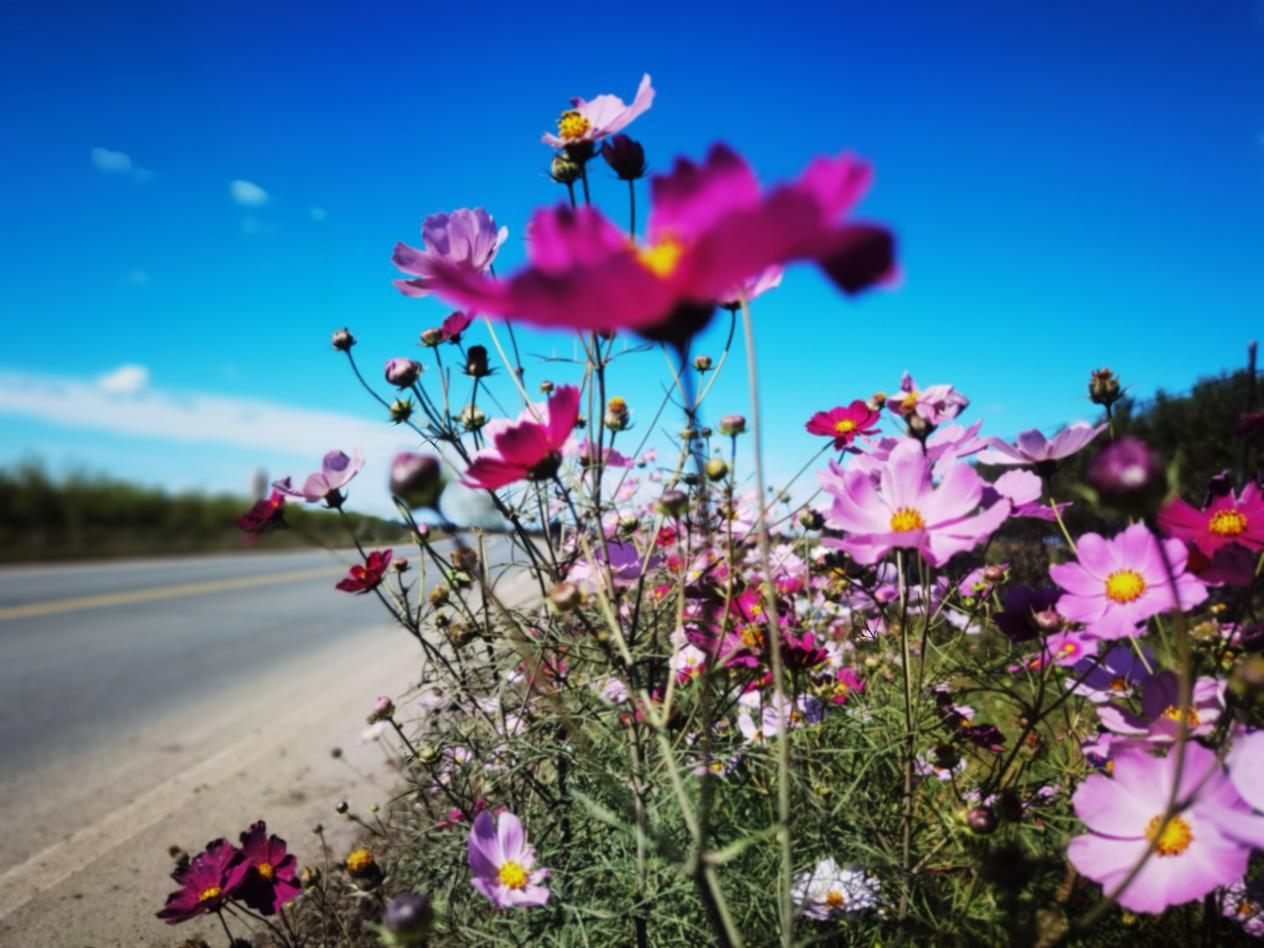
32 609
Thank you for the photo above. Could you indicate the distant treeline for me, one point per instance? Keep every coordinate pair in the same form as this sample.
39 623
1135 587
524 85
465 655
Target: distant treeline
91 515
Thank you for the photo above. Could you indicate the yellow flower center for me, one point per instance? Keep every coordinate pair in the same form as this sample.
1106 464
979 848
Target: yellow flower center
1245 909
752 638
841 688
572 125
1124 586
513 875
1227 523
210 892
906 519
1118 684
1174 839
661 258
835 899
717 766
265 869
359 861
909 401
1190 715
844 426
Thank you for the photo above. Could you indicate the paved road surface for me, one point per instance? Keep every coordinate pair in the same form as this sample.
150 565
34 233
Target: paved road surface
145 702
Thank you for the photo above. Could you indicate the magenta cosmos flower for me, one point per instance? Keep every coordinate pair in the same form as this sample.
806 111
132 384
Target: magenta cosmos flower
503 864
1229 518
1204 846
1032 447
264 514
844 424
589 121
709 231
272 879
528 450
209 881
1115 585
907 510
367 576
465 240
336 471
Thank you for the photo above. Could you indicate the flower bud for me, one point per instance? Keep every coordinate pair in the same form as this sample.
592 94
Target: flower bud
417 479
672 503
625 157
811 519
732 425
465 559
383 710
717 469
993 573
363 868
702 363
981 820
1103 387
1128 477
629 524
945 756
343 340
546 387
472 418
402 372
688 434
919 427
876 401
460 634
565 171
431 337
309 876
401 410
690 480
408 918
476 362
1047 620
439 596
616 414
705 432
400 565
564 597
342 807
421 534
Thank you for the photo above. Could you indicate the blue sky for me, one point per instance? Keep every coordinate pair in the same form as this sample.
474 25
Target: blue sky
1074 185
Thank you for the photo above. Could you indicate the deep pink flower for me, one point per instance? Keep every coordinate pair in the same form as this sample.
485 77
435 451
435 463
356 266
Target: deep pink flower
336 471
844 425
209 881
272 880
1115 585
464 241
1229 518
934 405
454 325
366 577
527 450
846 684
503 863
264 515
710 229
766 279
1203 846
1031 447
606 114
909 511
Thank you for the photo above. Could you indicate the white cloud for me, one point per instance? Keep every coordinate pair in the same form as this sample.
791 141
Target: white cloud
137 278
125 380
116 162
318 213
247 193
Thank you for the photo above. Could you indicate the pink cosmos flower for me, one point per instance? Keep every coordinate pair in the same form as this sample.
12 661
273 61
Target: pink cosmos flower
1031 447
336 471
846 683
844 425
909 511
934 405
503 863
710 229
1115 585
465 241
209 881
1229 518
1203 846
1024 490
766 279
528 450
604 115
455 324
609 456
363 578
273 878
1161 712
264 514
1246 767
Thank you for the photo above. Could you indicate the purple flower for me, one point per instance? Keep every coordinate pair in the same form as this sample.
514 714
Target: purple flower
1246 768
588 121
1115 676
272 880
909 511
208 882
336 471
1031 447
1023 489
402 372
1203 846
1117 584
502 862
1021 607
1162 713
466 240
1127 475
934 405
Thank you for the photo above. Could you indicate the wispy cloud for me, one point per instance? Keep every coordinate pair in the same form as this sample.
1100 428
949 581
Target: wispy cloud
124 380
118 162
247 193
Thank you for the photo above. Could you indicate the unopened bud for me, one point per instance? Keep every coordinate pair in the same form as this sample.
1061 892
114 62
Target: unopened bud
402 372
342 806
919 427
421 534
625 157
564 597
472 418
465 559
981 820
309 876
717 469
401 410
416 479
431 337
993 573
732 425
565 171
342 340
629 524
705 432
476 362
673 502
546 386
876 401
408 918
383 710
1103 387
1047 620
439 596
702 363
811 519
